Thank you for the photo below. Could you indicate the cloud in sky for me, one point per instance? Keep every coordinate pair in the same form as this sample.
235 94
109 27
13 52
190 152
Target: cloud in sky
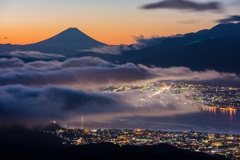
19 103
191 21
41 91
33 106
184 73
33 54
11 63
230 19
4 38
184 5
114 50
81 72
89 72
141 42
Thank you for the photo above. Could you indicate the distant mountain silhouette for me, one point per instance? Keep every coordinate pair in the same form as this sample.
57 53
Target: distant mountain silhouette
71 38
217 48
68 42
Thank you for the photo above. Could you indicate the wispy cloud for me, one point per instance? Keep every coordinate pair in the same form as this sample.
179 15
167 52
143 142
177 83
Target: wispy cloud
191 21
141 42
184 5
114 50
184 73
33 54
230 19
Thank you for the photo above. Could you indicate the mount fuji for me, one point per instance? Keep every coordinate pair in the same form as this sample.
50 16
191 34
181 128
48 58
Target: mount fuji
69 42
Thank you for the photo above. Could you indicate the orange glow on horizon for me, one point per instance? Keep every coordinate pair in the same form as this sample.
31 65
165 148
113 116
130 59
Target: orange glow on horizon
108 35
110 22
31 37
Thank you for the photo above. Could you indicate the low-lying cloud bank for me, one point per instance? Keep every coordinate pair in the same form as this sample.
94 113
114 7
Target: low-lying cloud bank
90 72
32 105
83 72
32 54
141 42
41 91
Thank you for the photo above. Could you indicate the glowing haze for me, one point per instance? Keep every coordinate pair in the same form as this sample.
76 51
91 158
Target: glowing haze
40 91
112 22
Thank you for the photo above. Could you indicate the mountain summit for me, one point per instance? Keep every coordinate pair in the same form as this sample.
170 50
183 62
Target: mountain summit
69 42
71 38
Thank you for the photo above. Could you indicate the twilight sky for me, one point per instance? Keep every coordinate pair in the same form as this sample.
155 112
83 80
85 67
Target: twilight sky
112 22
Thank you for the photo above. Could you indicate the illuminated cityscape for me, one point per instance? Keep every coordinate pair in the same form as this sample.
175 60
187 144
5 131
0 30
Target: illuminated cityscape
227 145
211 97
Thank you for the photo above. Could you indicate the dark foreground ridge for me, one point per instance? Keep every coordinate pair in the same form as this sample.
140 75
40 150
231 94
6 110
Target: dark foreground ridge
21 143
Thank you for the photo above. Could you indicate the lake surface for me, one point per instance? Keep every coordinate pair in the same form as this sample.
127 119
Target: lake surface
204 121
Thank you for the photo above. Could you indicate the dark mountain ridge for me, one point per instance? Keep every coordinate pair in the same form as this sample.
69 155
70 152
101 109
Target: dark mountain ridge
217 49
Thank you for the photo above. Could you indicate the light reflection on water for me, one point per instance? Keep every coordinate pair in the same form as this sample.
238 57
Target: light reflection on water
212 120
219 121
231 113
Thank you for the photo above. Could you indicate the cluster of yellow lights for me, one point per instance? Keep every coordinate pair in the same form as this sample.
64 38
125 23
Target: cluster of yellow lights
229 108
138 131
211 108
